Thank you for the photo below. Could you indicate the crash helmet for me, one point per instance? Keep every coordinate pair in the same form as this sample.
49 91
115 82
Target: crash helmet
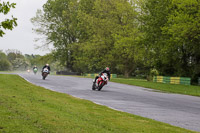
107 69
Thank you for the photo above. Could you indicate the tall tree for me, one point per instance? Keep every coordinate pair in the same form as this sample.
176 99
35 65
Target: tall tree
154 16
128 51
58 22
110 31
183 27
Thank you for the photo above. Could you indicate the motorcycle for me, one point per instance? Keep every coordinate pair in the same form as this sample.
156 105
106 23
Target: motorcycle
101 81
35 70
45 72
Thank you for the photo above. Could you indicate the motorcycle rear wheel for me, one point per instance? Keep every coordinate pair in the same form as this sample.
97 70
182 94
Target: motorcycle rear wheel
93 86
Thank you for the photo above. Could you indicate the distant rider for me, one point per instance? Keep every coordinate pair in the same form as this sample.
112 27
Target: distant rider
106 70
35 67
48 67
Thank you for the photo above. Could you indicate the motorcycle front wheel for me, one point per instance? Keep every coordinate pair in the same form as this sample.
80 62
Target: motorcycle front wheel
44 75
100 87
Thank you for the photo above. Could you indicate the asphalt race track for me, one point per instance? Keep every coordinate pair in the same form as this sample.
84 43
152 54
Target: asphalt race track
179 110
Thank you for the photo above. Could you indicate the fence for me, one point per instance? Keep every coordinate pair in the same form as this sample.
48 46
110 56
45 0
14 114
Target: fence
95 74
172 80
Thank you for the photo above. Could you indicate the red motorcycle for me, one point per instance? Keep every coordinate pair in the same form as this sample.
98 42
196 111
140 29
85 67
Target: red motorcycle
101 81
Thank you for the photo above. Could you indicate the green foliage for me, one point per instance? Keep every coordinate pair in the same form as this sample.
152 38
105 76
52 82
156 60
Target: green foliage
88 35
40 61
154 16
154 72
4 63
17 60
49 59
33 59
110 38
2 55
172 36
58 22
183 29
7 23
14 60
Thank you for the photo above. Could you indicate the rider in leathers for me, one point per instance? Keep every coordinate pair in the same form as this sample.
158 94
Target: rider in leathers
106 70
48 67
35 67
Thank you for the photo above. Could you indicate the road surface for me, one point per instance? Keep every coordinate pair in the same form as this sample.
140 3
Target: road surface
179 110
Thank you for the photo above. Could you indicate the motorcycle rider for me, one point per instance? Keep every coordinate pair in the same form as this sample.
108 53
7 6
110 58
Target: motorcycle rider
48 67
106 70
35 67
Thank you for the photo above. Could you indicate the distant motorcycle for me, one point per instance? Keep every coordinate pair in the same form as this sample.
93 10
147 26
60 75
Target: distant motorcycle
45 72
35 70
101 81
28 71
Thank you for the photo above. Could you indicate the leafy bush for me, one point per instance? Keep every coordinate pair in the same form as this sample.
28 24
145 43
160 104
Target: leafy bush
5 65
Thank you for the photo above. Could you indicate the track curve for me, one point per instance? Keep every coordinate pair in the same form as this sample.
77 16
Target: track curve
178 110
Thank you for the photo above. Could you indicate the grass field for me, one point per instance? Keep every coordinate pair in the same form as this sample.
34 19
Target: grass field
172 88
26 108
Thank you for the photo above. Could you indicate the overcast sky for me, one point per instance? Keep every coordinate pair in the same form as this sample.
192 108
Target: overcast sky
22 36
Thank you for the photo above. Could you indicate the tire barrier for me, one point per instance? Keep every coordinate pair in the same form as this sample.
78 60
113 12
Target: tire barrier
172 80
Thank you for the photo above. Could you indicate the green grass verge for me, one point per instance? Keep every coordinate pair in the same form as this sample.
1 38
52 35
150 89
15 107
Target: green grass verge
26 108
172 88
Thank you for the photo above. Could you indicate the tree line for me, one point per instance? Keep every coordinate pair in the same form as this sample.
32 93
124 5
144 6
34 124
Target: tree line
14 60
130 36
